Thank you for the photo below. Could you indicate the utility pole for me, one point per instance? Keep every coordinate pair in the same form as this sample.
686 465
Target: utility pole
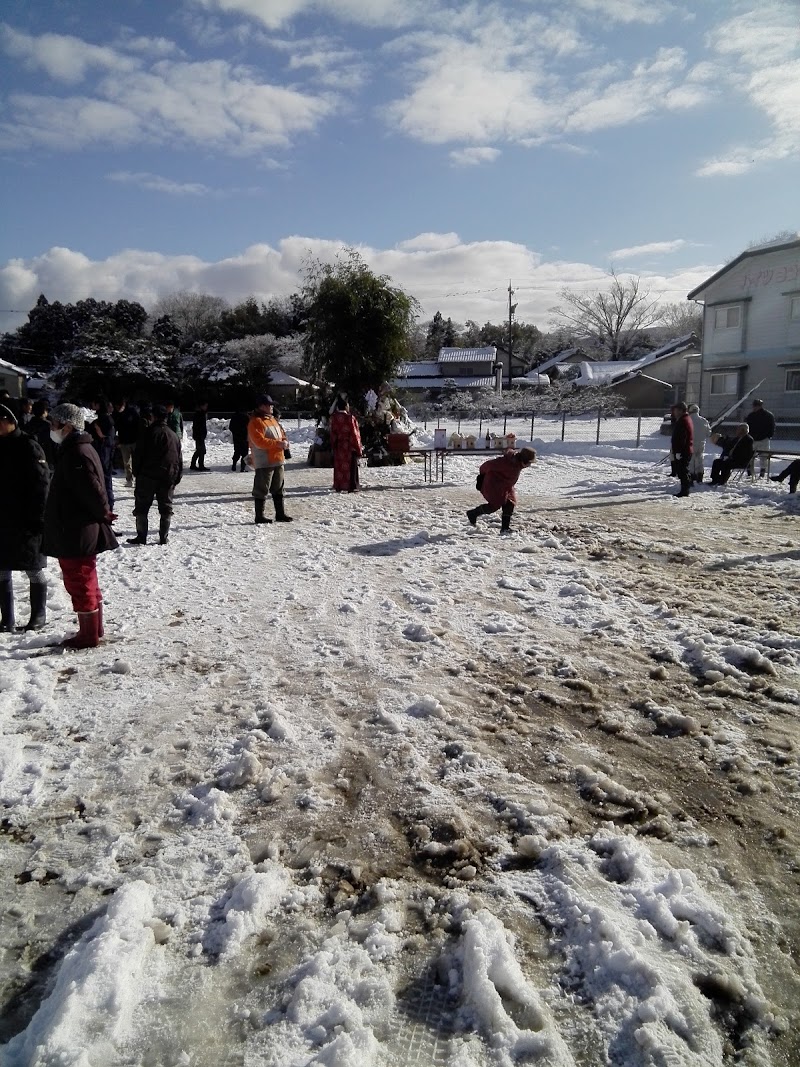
511 309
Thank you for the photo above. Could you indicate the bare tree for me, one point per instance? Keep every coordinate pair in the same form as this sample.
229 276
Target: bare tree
195 315
616 318
681 318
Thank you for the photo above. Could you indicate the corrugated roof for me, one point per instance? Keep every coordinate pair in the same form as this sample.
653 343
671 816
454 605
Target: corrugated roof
467 355
423 369
439 381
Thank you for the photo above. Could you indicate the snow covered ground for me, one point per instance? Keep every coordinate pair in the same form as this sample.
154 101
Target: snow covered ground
376 788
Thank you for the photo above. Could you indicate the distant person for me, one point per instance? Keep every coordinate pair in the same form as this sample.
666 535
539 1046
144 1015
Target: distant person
126 423
495 482
157 467
77 521
701 430
762 429
682 446
24 411
238 428
268 445
39 429
737 452
346 448
103 436
199 433
24 478
174 418
792 472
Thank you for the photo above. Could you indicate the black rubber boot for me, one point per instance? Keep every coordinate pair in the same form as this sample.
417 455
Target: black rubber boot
38 606
280 514
7 619
474 513
141 531
260 516
163 529
505 523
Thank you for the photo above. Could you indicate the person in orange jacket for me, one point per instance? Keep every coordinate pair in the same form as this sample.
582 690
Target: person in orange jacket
268 447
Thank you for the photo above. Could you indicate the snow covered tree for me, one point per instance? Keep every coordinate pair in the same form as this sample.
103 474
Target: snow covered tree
616 318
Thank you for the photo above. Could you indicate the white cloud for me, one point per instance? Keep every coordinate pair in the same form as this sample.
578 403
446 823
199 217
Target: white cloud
470 157
275 14
67 59
759 55
654 248
209 103
442 272
159 184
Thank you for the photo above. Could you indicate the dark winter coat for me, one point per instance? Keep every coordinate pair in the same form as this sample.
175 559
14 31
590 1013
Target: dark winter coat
127 424
77 516
39 430
200 426
761 423
683 437
103 436
174 421
238 428
736 451
158 455
24 478
499 478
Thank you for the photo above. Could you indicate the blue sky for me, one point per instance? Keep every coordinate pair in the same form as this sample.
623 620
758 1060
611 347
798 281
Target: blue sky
213 145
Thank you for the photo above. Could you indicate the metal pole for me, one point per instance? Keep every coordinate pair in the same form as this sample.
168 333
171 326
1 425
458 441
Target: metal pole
563 424
480 426
597 437
458 428
505 423
639 431
532 418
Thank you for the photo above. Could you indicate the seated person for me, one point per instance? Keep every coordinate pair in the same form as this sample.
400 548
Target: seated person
792 472
737 451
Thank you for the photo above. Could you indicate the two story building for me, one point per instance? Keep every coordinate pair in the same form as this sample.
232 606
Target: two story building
751 334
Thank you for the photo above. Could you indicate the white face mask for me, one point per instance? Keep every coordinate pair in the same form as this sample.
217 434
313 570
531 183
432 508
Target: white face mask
57 436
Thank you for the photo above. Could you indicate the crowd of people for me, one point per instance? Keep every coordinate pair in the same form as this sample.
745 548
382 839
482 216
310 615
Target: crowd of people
750 442
56 480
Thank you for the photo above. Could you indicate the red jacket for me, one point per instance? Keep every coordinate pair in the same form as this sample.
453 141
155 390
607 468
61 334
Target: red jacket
683 437
499 478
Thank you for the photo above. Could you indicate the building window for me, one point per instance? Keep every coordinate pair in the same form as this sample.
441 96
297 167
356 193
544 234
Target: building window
725 384
793 381
794 309
728 318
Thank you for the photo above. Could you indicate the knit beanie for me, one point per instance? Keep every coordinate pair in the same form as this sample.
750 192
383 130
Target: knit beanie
70 413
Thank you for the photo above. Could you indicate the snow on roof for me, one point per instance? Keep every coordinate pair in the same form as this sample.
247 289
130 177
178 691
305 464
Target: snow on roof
280 377
531 378
559 357
6 366
438 382
467 355
423 369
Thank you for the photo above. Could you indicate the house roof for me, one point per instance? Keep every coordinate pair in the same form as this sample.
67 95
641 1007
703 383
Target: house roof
531 378
6 366
423 369
461 382
762 251
280 377
467 355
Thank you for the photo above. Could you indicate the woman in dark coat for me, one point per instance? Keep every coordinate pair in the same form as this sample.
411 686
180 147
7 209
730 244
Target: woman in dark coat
24 478
495 483
77 522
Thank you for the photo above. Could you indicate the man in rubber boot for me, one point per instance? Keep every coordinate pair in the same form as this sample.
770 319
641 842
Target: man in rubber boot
157 468
24 478
495 482
77 521
268 446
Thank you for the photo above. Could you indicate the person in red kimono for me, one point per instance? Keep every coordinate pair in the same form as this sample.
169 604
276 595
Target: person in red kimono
495 483
346 448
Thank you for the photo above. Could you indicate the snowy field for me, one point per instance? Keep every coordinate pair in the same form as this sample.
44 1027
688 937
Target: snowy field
376 789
